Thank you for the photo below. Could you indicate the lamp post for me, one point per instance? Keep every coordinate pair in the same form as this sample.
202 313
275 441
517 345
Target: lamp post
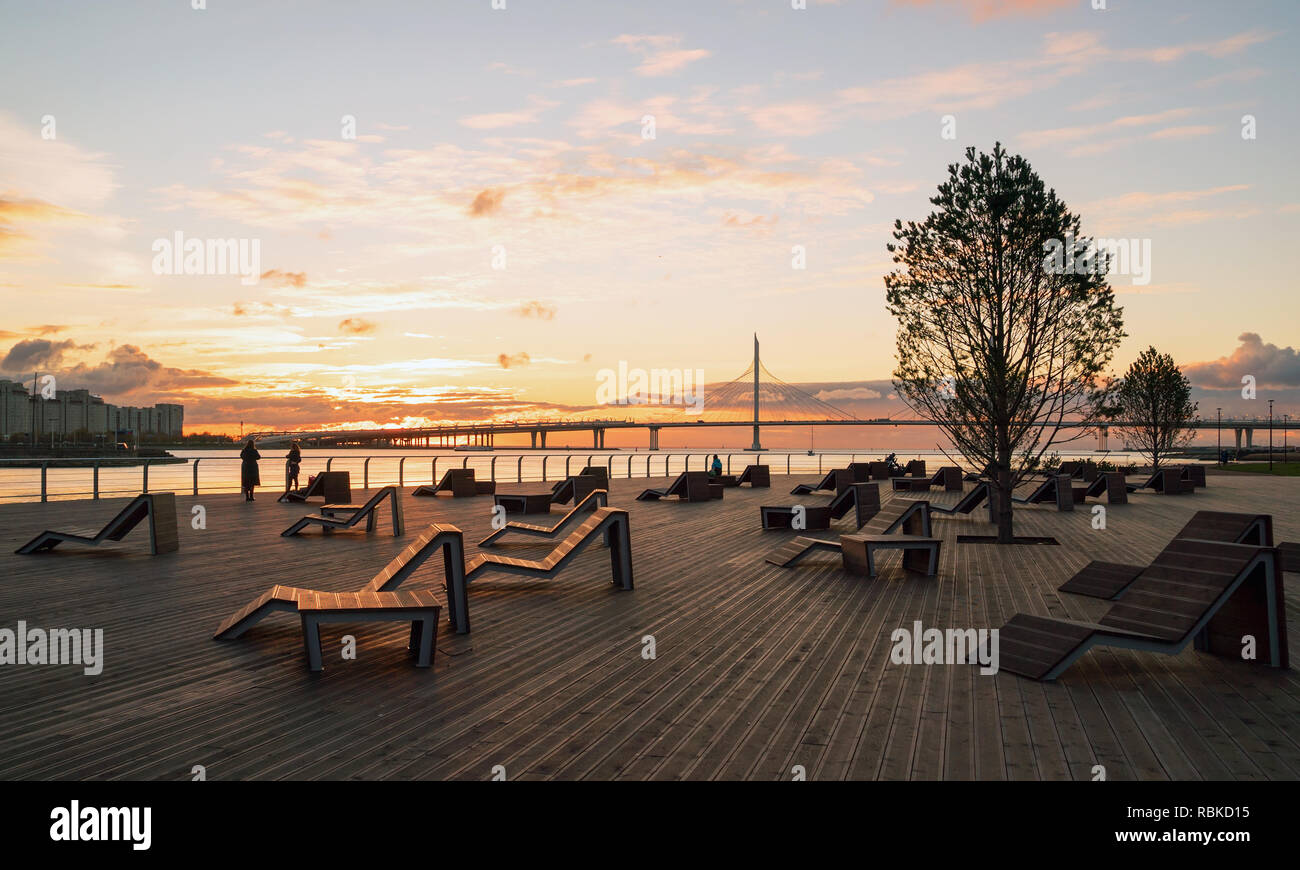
1219 414
1270 436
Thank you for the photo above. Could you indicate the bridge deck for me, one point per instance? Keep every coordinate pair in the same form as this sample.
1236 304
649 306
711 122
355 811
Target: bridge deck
758 669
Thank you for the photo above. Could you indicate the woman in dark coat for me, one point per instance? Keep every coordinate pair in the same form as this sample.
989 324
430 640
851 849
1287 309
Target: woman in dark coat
248 475
292 463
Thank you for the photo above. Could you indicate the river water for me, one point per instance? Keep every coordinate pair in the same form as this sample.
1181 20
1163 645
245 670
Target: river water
217 471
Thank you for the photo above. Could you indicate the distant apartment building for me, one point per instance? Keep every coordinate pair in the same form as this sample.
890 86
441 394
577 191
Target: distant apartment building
76 412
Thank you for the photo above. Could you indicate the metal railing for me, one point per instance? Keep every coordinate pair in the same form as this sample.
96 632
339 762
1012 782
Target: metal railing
55 479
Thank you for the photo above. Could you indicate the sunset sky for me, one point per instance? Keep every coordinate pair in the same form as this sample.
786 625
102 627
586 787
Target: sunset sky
482 133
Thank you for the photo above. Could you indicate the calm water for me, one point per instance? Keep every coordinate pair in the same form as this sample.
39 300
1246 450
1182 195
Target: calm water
218 470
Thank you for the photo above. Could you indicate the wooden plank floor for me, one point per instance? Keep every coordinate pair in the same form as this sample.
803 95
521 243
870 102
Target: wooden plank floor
757 669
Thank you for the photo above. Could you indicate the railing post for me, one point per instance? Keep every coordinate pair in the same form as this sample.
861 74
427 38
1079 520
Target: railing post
365 474
465 462
544 458
566 465
146 476
492 469
401 476
519 469
728 463
195 487
328 462
95 485
647 466
787 463
819 463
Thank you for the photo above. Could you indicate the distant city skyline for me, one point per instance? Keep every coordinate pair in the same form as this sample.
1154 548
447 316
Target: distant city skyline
469 213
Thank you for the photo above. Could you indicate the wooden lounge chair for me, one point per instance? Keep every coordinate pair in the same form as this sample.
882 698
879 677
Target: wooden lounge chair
1290 553
457 481
986 474
836 480
916 468
600 472
1111 580
156 509
1108 483
345 516
524 503
1194 474
756 476
612 523
1168 480
858 552
861 471
978 495
864 498
335 487
595 499
1056 488
375 601
574 488
691 486
911 518
1209 592
879 470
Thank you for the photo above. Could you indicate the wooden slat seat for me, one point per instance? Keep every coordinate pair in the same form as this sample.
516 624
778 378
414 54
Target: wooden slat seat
1110 579
597 499
689 486
332 486
968 502
836 480
795 549
1209 591
612 523
524 503
344 516
920 553
156 510
756 476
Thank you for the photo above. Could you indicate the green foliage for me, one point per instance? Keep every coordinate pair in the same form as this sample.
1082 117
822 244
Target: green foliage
993 344
1151 406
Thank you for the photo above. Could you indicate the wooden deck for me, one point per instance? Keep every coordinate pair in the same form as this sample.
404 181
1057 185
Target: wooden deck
758 668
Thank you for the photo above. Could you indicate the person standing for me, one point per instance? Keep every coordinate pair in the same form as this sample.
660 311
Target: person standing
248 474
292 463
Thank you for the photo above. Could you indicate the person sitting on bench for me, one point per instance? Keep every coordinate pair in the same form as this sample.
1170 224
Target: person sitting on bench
715 467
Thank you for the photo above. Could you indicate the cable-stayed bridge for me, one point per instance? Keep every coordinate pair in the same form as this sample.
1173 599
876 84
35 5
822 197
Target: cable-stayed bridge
756 398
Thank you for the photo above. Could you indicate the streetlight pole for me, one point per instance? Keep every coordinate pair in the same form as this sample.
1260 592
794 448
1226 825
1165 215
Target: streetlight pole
1219 413
1270 436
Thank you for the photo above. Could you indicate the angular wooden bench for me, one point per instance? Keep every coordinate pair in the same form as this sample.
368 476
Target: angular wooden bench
978 495
157 510
376 599
335 487
459 482
910 517
595 499
611 523
1208 592
1290 553
863 498
1111 579
756 476
1194 474
1056 488
575 488
333 517
690 486
920 553
1108 483
524 503
836 480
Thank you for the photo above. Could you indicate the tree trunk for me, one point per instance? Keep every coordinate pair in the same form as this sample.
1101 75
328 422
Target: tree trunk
1003 492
